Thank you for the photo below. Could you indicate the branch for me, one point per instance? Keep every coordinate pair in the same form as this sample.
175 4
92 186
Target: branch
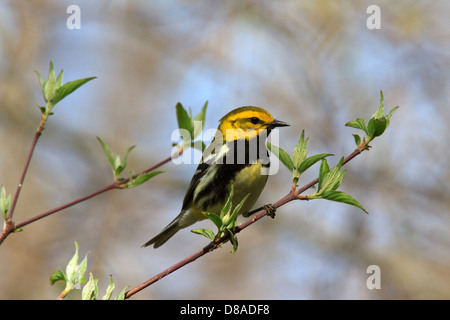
11 227
24 172
292 195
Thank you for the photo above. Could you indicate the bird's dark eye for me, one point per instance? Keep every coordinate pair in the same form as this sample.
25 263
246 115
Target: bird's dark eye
254 120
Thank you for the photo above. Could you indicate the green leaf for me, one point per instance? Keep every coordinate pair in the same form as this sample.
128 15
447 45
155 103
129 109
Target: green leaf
215 219
68 88
82 269
333 179
59 79
231 222
121 296
323 171
389 115
56 276
5 203
43 84
357 139
380 126
343 197
284 157
184 120
200 118
75 272
109 289
43 109
233 240
380 111
205 232
51 73
72 266
90 290
109 154
358 124
51 85
300 152
143 177
120 167
226 210
310 161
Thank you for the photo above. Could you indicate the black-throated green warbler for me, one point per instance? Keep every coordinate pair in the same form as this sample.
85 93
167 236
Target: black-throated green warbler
237 156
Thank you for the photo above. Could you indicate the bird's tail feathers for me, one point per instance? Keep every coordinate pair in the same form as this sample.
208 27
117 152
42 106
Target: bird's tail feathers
164 235
183 220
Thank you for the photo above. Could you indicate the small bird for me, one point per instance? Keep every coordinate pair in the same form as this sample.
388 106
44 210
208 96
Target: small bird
236 157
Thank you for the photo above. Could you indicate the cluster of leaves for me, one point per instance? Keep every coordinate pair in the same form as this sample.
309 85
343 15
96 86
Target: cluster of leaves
224 222
74 278
53 90
329 180
299 163
375 127
190 127
118 166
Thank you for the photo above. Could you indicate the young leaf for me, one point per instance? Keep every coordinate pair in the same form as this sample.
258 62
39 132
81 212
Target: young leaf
234 241
380 111
357 139
56 276
143 177
389 115
358 124
121 296
72 266
310 161
90 290
200 117
284 157
323 171
82 269
226 210
51 85
51 73
43 84
231 222
5 203
343 197
120 167
109 289
75 272
333 179
379 126
300 152
68 88
59 79
109 154
215 219
208 233
184 120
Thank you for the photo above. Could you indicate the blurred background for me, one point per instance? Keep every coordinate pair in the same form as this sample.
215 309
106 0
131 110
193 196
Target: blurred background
314 64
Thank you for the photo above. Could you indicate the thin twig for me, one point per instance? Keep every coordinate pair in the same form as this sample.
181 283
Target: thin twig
24 172
11 227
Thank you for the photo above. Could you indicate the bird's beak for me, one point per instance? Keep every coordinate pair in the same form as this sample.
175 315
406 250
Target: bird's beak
277 123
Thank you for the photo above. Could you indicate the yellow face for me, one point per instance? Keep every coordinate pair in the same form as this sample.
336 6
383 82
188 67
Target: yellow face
247 123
